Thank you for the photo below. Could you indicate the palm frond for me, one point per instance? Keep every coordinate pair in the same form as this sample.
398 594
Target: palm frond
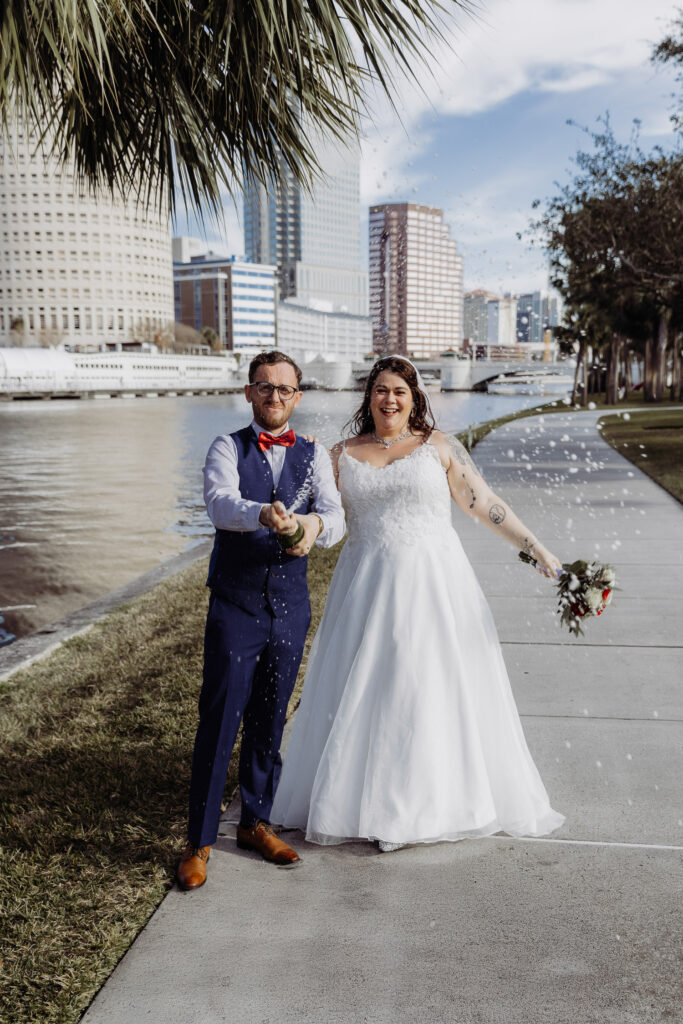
162 96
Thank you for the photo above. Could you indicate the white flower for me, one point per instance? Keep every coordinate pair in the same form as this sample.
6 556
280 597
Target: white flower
608 576
593 599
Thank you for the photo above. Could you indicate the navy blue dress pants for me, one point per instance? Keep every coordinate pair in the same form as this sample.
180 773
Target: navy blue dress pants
250 667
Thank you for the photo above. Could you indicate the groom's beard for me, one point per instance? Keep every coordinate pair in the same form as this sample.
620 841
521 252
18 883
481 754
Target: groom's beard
270 417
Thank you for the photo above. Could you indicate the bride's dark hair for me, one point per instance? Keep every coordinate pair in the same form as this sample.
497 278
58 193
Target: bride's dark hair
421 417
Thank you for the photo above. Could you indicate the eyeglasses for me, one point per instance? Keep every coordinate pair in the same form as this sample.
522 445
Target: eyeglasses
265 390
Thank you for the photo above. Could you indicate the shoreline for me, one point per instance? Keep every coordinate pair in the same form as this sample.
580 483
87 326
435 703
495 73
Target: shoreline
37 645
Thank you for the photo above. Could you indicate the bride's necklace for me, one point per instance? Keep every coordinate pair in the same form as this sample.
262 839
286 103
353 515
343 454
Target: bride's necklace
388 444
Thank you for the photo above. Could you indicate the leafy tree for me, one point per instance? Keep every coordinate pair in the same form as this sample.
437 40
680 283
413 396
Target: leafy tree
211 338
615 242
670 51
184 339
188 93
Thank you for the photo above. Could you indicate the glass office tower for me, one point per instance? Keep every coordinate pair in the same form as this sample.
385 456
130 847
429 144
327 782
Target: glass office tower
312 237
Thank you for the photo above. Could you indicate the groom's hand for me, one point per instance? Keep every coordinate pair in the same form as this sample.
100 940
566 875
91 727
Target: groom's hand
276 517
312 525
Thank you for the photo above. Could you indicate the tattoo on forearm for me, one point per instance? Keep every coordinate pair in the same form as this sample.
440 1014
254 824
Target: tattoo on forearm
528 546
496 514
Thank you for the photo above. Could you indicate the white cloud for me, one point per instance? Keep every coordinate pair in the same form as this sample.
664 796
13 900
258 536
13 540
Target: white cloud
540 44
515 46
485 220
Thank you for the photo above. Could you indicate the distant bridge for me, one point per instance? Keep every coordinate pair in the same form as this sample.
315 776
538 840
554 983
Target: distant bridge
472 375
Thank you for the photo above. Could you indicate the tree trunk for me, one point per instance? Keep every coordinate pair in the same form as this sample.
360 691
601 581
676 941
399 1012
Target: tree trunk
648 371
676 369
587 360
579 358
613 360
628 370
659 382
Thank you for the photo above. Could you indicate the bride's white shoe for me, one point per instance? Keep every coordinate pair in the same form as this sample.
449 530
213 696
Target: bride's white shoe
389 847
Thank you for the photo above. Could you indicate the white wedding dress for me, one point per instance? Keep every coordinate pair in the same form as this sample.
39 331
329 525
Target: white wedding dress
407 729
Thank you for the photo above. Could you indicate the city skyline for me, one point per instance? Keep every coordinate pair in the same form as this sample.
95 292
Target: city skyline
484 131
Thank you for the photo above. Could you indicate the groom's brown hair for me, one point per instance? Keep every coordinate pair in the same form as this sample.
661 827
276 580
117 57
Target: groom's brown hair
268 359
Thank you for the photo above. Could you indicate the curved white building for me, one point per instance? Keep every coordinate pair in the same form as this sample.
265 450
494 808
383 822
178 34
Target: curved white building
76 268
50 373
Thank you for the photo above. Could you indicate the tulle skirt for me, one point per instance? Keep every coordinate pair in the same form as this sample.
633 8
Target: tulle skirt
407 729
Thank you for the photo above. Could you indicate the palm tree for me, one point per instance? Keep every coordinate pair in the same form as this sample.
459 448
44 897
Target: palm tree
188 94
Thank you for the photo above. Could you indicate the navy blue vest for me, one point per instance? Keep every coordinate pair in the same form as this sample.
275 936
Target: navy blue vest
250 568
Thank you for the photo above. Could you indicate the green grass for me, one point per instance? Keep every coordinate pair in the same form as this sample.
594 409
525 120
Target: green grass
634 403
653 441
95 747
478 432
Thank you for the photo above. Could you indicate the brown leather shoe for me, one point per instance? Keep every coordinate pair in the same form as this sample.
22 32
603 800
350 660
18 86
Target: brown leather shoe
192 867
262 838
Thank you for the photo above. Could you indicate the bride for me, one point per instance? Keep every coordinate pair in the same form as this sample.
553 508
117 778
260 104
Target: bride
407 731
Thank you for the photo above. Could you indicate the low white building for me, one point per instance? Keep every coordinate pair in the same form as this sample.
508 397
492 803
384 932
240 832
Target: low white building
309 332
36 372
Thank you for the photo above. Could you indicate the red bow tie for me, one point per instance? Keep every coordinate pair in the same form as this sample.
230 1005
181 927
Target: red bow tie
266 441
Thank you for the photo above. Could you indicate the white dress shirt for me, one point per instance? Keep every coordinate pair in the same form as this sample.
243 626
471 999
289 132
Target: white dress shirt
228 510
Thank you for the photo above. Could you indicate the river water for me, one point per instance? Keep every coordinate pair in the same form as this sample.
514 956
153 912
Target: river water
94 493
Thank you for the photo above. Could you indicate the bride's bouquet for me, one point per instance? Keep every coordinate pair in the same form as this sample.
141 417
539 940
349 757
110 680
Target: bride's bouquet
583 589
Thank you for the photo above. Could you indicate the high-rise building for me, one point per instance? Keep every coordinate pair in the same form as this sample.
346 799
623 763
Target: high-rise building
476 315
537 312
77 267
228 293
502 321
416 299
185 248
312 237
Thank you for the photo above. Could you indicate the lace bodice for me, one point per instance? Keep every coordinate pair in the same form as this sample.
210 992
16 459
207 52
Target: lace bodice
402 502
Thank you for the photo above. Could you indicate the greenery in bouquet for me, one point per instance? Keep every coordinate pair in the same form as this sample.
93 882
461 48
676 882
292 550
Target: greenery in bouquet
583 589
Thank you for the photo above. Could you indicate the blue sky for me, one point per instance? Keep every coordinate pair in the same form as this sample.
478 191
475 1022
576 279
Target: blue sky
485 132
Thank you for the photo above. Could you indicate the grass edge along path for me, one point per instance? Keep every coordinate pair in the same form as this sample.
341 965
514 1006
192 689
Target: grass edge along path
652 439
95 747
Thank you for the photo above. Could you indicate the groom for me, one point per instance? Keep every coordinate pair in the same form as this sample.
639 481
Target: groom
259 610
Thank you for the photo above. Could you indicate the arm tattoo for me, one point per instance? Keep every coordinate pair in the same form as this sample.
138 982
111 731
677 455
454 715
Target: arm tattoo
496 514
463 456
469 487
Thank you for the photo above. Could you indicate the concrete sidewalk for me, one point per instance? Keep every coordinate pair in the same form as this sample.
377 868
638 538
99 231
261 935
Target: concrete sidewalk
583 927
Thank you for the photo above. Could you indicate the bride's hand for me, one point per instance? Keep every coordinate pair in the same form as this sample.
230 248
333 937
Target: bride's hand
547 564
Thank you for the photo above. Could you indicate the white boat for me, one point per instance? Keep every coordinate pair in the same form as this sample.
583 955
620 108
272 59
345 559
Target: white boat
543 382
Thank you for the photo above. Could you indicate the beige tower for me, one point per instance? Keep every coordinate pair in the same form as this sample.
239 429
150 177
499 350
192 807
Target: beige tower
416 294
76 268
